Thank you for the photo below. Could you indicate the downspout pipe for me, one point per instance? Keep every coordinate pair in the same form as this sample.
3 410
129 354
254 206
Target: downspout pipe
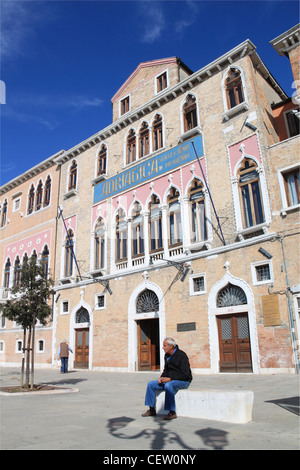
290 309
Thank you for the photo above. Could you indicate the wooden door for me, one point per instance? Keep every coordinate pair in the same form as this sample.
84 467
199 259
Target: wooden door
234 343
82 349
148 344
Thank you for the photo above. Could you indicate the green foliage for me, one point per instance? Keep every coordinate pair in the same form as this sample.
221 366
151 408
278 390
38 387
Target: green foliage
29 300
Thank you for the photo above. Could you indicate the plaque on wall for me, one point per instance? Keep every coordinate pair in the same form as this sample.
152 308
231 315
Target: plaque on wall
186 326
270 309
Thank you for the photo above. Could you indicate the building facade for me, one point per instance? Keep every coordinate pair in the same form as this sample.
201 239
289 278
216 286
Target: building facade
28 228
183 218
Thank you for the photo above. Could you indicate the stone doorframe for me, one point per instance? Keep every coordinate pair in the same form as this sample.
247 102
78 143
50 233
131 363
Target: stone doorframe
213 311
132 322
74 326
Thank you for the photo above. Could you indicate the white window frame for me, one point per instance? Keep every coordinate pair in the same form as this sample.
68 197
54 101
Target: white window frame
155 81
71 192
37 346
255 281
280 173
230 112
120 105
62 306
191 284
96 301
17 350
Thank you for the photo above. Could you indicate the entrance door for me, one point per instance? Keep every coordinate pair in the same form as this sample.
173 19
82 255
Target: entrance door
234 343
82 349
148 344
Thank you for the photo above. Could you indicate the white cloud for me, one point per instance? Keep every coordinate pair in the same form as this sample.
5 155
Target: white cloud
182 25
157 18
55 101
17 21
153 21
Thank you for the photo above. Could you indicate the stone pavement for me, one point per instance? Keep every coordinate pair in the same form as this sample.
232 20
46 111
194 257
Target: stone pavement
105 414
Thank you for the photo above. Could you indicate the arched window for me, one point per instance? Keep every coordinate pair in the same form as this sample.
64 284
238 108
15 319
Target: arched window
7 274
101 163
73 176
47 193
17 272
31 200
190 113
4 214
144 144
121 236
231 295
250 194
99 244
175 228
147 302
82 315
131 147
155 224
157 133
39 196
197 212
69 253
234 88
137 228
45 261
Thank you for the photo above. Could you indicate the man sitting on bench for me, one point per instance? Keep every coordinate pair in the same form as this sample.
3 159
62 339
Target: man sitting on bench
176 375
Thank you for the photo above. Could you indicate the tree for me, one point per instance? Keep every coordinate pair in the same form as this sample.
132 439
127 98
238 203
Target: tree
29 303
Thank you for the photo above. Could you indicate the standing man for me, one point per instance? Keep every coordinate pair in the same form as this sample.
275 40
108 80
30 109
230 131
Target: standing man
176 375
63 355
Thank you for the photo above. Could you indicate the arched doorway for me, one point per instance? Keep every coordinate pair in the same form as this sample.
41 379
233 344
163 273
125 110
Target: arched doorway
82 339
146 327
148 331
233 329
231 313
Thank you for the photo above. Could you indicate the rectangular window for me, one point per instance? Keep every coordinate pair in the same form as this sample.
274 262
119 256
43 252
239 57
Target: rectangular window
124 106
161 82
293 123
291 183
65 307
262 273
100 301
17 204
197 284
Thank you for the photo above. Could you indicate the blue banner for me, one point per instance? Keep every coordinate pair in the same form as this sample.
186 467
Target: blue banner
149 169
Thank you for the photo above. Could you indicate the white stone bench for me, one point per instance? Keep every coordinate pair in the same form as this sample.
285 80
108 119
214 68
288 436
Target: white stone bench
233 406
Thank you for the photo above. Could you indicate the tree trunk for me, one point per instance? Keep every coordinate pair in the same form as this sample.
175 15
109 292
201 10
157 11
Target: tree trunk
28 358
32 352
23 358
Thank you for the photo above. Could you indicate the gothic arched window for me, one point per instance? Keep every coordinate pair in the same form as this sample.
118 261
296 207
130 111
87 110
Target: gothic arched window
234 88
147 302
82 316
231 295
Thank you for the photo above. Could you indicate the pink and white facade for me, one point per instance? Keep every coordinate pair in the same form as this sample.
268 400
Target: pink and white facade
182 215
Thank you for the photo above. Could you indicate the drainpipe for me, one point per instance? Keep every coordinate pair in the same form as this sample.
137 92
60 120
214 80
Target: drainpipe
290 309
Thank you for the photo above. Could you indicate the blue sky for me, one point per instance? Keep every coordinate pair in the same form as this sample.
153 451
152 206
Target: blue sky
62 61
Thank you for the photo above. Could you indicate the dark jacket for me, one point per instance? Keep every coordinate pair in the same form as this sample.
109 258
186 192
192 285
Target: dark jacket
178 367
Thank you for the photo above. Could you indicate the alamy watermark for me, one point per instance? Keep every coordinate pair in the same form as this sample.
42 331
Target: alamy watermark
2 92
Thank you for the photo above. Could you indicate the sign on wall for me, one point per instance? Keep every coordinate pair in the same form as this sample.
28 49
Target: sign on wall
149 169
270 310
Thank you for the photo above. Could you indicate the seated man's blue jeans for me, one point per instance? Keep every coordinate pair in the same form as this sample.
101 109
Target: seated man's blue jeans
170 389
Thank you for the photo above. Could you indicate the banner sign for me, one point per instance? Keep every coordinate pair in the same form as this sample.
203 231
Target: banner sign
147 170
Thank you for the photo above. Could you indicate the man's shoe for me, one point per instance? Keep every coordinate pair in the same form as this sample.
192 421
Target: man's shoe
170 416
149 413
